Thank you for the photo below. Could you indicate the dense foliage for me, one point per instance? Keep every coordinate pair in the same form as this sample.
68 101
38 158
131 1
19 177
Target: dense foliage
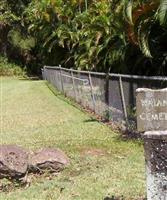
10 69
122 36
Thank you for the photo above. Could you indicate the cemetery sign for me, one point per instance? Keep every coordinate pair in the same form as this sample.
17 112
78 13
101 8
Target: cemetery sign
151 109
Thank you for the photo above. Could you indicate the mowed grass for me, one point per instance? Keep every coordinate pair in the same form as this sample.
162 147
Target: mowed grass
102 165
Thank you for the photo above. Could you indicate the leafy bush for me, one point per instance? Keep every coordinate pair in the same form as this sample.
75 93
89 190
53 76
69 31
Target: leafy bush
90 36
18 41
10 69
121 36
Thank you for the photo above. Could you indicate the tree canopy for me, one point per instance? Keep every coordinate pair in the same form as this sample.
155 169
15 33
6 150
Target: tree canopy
122 36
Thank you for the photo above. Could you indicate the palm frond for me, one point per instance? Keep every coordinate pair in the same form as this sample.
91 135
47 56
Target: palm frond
128 7
143 37
162 12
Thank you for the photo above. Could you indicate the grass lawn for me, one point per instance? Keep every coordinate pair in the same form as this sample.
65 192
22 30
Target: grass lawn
102 165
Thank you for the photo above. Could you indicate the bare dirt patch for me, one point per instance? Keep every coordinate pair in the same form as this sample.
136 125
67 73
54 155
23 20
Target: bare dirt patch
93 152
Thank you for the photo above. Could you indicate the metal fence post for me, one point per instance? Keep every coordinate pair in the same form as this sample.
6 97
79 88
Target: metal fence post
92 93
54 78
123 99
107 89
59 81
44 73
62 85
73 83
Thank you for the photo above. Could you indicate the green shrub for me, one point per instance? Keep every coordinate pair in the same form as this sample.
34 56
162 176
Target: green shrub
10 69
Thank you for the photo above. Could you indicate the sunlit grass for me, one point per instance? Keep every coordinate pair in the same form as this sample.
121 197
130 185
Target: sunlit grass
33 117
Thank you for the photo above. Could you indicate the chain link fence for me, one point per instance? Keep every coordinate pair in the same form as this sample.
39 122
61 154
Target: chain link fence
112 96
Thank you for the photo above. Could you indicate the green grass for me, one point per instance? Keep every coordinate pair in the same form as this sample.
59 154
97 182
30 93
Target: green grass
33 117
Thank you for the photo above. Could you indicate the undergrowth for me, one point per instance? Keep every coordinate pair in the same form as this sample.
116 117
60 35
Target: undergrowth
10 69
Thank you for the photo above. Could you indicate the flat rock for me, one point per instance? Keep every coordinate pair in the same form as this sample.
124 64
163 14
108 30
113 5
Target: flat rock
13 161
53 160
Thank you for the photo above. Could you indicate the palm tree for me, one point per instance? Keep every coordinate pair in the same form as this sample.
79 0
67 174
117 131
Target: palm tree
147 29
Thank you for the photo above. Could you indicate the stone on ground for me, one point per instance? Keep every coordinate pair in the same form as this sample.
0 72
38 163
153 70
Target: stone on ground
53 160
13 161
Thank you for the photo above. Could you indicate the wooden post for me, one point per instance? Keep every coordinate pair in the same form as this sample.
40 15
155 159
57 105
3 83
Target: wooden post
123 99
152 119
92 93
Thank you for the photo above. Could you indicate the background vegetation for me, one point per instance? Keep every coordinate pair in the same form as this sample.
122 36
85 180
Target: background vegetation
10 69
123 36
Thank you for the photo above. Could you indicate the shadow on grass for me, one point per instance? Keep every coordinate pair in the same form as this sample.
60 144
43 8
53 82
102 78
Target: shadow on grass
90 120
114 198
130 135
124 138
119 198
7 186
29 78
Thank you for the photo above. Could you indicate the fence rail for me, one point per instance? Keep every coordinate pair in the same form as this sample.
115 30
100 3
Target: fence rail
111 96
